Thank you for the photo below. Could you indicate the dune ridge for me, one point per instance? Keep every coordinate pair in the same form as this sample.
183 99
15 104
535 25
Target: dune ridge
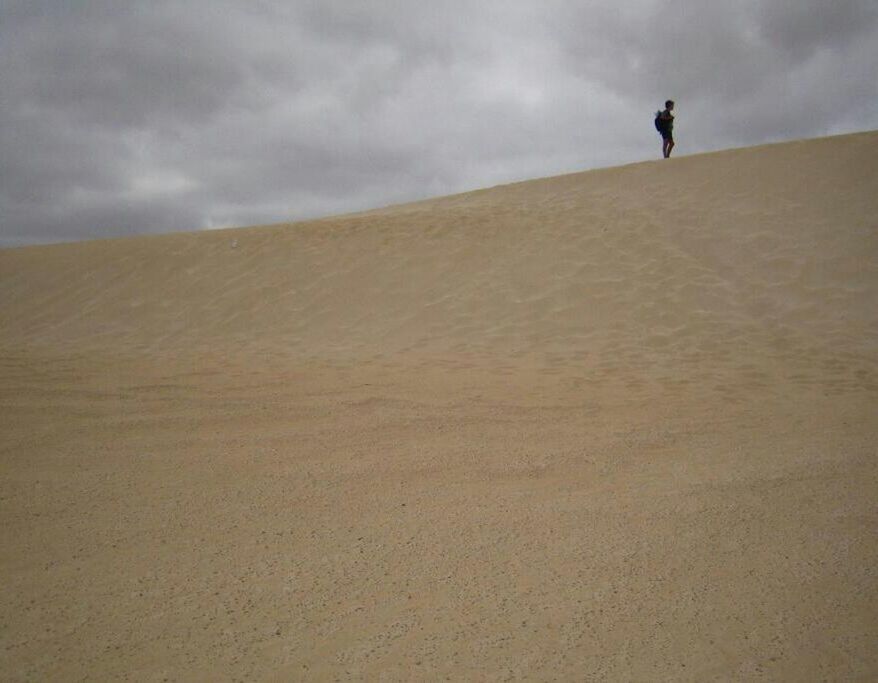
614 424
735 253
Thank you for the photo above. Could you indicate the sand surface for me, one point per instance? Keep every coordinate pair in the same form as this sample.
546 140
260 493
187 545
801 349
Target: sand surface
617 425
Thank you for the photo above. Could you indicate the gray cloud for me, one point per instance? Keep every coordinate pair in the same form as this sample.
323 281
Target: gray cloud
121 118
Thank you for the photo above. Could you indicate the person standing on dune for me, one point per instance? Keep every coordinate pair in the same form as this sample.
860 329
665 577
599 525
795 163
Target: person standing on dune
664 124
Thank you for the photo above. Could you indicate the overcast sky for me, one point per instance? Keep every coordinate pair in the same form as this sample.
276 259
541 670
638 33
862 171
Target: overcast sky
135 117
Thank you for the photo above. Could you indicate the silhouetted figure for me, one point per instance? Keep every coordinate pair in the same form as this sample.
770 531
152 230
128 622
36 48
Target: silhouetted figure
664 124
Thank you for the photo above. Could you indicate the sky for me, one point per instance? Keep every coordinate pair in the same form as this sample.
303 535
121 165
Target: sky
121 118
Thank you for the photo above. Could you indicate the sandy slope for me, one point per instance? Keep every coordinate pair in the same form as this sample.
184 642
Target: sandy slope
612 425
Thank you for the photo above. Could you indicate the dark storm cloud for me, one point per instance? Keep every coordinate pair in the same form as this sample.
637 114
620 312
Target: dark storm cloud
801 28
742 72
119 118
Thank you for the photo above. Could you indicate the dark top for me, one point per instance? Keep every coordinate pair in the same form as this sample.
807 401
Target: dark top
667 120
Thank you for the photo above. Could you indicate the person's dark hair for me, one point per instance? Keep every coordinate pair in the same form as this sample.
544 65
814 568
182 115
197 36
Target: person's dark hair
668 103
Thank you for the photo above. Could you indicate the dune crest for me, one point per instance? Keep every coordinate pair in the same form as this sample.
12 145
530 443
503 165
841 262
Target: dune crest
618 424
763 255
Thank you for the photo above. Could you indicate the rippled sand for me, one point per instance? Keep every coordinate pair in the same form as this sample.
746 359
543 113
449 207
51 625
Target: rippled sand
613 425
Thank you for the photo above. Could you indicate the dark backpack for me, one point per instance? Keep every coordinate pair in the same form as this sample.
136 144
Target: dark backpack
660 123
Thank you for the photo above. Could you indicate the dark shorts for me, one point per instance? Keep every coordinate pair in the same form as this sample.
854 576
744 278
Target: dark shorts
668 135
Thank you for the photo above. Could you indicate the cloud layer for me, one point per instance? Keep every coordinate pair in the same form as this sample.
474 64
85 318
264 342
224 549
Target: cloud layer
123 118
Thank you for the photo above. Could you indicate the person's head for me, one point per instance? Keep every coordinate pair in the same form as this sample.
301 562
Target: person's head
669 104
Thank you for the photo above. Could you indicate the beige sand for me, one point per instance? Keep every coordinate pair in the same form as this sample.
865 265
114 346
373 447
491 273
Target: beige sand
618 425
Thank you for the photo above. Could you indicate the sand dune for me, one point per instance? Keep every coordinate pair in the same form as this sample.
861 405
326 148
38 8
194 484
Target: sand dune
612 425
